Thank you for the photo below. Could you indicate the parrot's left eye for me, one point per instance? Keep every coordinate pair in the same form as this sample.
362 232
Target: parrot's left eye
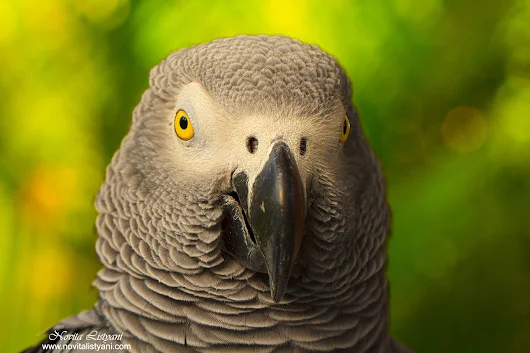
183 126
345 130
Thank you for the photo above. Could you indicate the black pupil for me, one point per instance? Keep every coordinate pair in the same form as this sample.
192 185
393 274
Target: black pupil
345 127
183 123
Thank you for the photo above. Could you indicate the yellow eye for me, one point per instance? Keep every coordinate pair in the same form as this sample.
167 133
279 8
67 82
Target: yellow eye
345 130
183 126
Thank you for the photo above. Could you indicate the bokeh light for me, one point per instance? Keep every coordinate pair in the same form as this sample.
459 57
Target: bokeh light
464 129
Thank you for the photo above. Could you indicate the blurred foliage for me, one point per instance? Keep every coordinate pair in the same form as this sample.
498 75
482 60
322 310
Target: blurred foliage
443 89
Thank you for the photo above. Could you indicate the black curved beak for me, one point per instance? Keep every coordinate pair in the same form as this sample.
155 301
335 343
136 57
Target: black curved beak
276 210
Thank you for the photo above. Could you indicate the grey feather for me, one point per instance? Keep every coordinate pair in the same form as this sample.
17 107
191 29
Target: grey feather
166 283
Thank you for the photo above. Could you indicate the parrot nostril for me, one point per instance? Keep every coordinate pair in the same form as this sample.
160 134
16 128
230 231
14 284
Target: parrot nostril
303 146
252 144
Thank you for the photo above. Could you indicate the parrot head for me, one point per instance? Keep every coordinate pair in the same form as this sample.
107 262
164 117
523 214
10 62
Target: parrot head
248 151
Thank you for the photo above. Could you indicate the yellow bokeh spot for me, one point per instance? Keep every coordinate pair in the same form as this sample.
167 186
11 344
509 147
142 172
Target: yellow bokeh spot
288 17
517 126
8 22
513 113
465 129
50 273
47 194
48 22
48 16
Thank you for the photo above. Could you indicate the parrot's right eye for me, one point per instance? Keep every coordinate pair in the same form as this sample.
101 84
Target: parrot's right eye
345 131
183 126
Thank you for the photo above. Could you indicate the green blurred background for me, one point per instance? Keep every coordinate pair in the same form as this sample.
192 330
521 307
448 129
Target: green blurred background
443 89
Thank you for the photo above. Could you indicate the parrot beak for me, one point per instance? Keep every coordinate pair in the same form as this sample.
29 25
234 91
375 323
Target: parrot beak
276 210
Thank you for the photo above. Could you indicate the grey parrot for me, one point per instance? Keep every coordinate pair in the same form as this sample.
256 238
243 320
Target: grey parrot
243 212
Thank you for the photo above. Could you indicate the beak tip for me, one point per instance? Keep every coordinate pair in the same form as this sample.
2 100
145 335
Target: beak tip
276 295
277 290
